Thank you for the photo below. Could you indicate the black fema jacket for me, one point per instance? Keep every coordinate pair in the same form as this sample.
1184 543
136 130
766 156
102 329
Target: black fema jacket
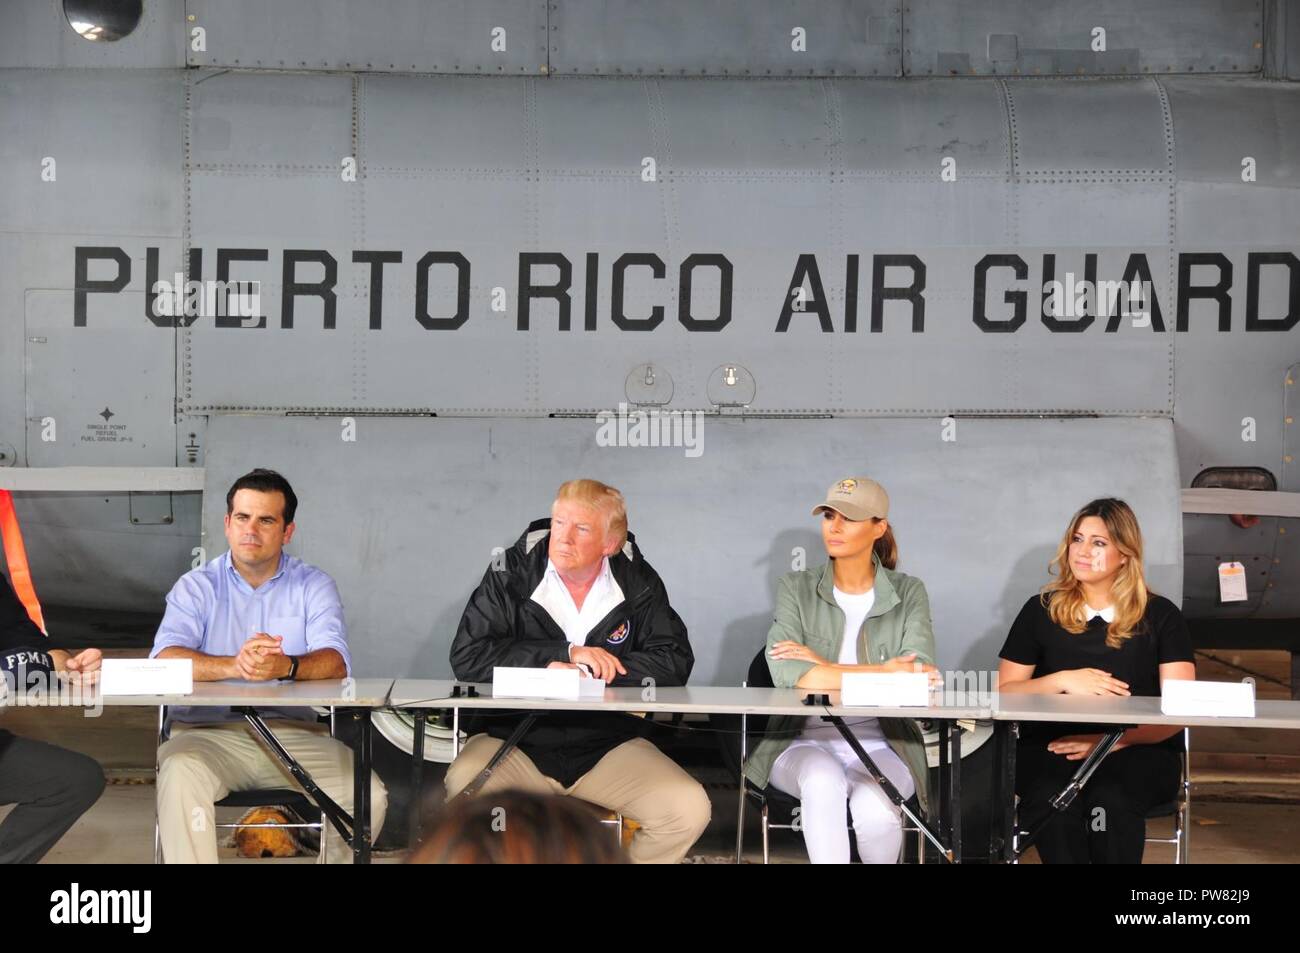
501 625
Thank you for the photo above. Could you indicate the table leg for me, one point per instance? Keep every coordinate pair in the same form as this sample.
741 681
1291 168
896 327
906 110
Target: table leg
954 798
341 819
417 780
999 819
740 804
945 780
499 755
1003 801
361 789
886 785
1062 800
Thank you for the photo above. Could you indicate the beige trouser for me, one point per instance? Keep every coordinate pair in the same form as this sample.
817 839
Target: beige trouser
635 779
201 764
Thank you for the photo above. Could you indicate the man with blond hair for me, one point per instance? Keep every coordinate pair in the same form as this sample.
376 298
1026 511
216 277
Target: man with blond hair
586 599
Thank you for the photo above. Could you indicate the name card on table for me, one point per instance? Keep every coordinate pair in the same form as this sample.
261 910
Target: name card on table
564 683
885 689
141 676
1221 699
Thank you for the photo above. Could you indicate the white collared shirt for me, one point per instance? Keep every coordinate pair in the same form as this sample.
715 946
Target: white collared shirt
1107 614
554 596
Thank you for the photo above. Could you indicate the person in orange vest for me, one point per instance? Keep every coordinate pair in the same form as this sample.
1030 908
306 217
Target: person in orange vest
51 786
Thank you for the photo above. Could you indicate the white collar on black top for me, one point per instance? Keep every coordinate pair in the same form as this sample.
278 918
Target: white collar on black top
1107 614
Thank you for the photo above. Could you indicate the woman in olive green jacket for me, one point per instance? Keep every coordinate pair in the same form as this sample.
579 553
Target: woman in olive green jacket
855 614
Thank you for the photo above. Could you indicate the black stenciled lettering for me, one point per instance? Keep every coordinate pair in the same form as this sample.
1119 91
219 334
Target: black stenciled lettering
377 260
590 291
461 263
83 285
1019 300
1220 291
1137 269
1254 262
805 268
880 292
684 299
224 257
621 264
1080 322
559 291
291 288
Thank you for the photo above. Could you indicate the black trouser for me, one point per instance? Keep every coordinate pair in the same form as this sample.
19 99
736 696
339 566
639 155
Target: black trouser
1106 824
52 788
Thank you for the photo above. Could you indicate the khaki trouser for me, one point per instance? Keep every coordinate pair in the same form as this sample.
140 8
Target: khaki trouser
201 764
635 779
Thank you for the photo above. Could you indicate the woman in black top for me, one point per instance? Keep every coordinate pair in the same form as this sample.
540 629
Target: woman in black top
1096 630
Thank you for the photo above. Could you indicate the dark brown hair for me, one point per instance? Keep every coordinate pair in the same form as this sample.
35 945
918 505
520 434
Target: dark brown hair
518 827
265 481
886 548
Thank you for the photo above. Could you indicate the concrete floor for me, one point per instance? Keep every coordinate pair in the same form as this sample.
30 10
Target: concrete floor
1245 801
119 829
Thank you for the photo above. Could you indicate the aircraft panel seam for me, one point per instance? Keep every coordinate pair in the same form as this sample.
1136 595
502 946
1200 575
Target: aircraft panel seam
298 410
1170 161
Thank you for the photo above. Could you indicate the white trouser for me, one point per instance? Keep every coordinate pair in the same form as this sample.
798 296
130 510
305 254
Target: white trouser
823 775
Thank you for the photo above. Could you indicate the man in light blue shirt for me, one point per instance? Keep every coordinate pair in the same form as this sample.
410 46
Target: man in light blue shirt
257 614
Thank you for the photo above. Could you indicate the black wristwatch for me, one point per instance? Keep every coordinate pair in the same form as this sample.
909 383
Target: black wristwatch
293 669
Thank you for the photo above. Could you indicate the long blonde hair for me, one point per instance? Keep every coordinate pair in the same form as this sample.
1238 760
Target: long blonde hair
1063 596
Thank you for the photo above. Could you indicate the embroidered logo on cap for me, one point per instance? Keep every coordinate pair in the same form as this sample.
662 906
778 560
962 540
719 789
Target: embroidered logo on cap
846 486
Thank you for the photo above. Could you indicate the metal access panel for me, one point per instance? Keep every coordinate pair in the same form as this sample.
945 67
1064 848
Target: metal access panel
99 395
1086 128
1030 37
66 116
490 37
406 515
726 37
1217 129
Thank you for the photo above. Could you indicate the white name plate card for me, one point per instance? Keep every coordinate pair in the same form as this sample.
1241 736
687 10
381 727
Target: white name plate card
139 676
1207 699
562 683
885 689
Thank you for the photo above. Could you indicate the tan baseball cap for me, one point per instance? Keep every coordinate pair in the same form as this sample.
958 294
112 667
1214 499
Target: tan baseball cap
857 498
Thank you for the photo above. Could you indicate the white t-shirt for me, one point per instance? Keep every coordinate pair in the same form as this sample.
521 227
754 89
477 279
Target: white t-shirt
866 730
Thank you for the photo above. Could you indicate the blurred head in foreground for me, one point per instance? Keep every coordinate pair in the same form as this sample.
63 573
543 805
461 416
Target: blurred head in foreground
518 827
